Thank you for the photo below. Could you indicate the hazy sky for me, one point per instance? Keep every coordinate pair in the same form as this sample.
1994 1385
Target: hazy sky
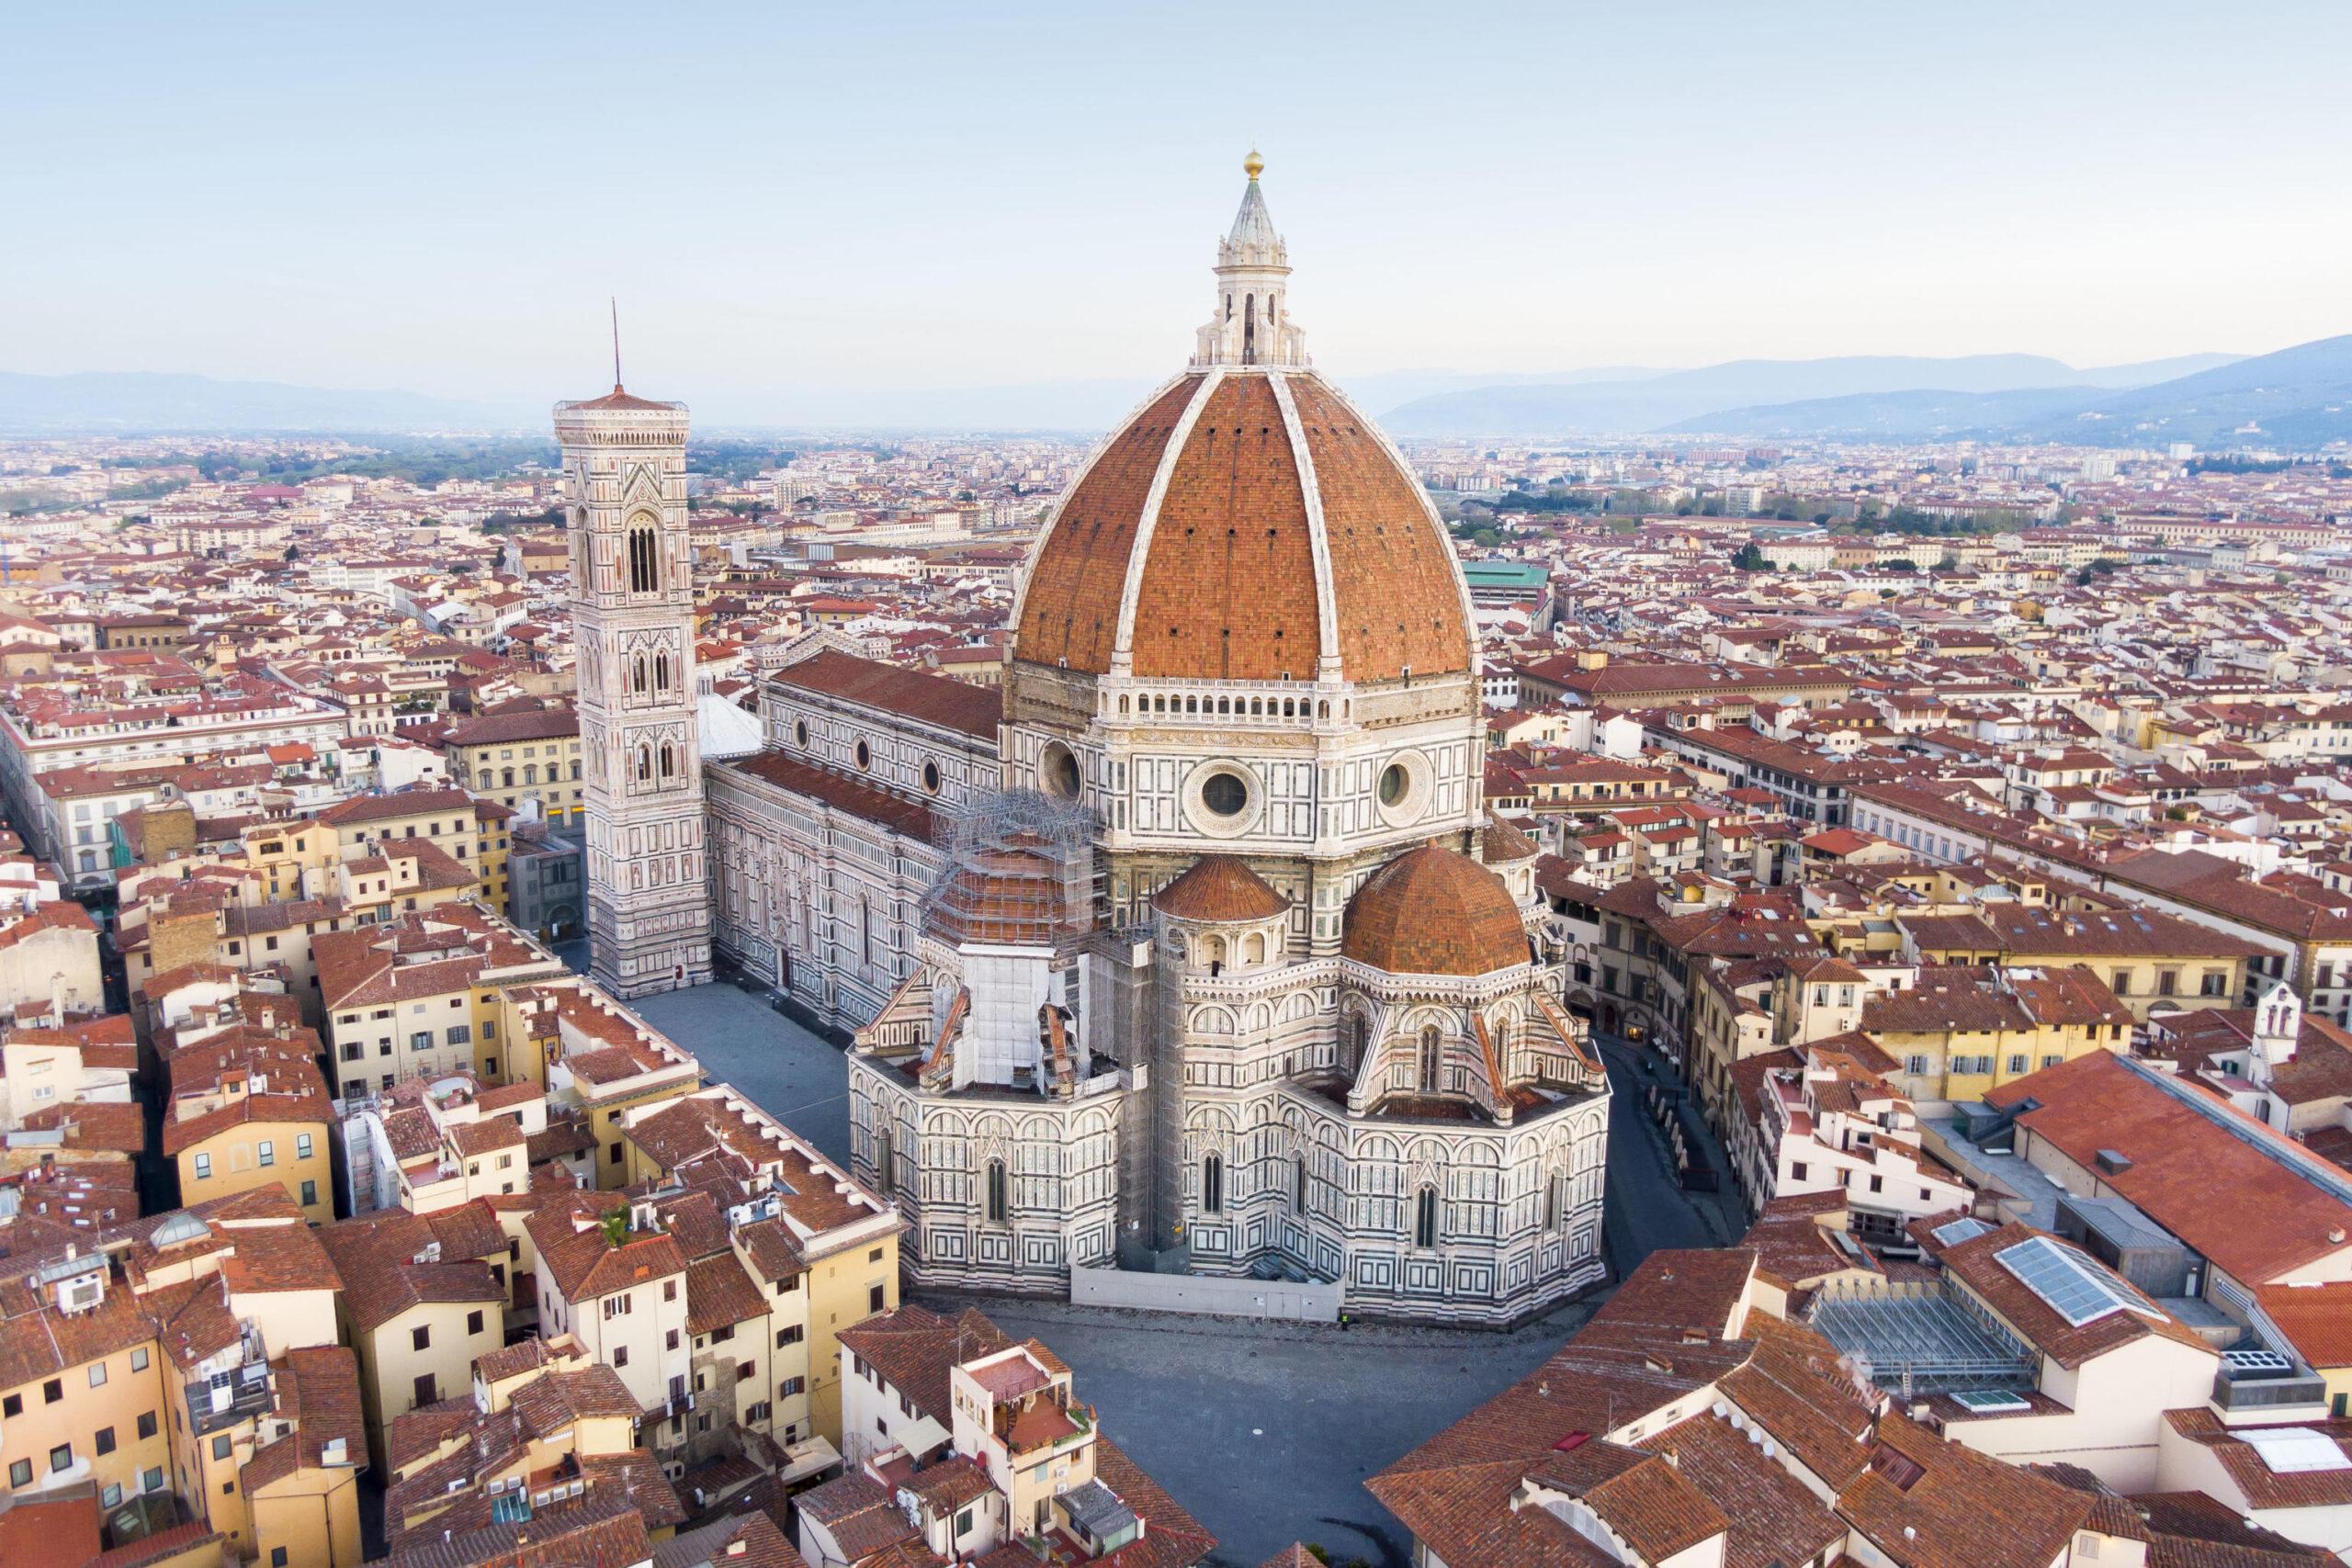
869 196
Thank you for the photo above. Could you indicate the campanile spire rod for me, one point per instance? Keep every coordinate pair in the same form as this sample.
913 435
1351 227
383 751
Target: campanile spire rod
614 300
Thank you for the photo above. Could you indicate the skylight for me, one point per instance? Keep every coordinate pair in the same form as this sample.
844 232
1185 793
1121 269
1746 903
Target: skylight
1990 1401
2295 1450
1951 1232
2069 1284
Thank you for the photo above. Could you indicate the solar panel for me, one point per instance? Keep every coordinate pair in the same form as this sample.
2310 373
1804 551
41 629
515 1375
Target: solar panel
2069 1284
1951 1232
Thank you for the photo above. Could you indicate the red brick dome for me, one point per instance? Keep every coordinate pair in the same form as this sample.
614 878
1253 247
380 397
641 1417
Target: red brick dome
1434 911
1219 889
1254 498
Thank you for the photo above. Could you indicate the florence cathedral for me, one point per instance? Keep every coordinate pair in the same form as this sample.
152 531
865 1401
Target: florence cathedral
1192 950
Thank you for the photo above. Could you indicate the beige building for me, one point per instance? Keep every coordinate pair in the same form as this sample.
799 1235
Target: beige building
425 1294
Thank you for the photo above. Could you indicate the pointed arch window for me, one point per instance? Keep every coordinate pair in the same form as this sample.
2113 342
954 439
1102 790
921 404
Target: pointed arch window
1433 1063
1298 1185
1359 1039
1213 1185
1425 1217
997 1199
882 1172
636 675
644 560
1250 329
644 764
669 759
661 672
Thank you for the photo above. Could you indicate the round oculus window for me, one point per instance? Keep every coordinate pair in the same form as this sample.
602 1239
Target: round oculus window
931 777
865 755
1394 783
1058 771
800 734
1225 795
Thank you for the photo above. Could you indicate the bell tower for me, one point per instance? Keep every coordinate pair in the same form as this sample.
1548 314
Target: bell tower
632 608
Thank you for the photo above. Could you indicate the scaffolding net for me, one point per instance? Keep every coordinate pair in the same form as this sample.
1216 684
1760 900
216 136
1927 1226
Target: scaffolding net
1017 868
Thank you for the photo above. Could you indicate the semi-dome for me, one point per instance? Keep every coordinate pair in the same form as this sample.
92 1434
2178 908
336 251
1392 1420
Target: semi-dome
1248 522
1434 911
1219 889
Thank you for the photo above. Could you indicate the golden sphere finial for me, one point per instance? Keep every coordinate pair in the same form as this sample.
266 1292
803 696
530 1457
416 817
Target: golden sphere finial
1254 165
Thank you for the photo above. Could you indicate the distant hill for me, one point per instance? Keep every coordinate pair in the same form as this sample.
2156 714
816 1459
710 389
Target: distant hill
1917 415
129 400
1672 397
2299 397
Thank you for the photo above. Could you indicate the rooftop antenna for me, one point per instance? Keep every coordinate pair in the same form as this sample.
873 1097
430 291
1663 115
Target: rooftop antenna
613 299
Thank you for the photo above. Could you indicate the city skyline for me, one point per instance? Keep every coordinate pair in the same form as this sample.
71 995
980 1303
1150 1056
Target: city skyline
848 210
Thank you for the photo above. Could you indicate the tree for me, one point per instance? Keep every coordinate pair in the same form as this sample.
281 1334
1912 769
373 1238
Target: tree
1750 558
614 1225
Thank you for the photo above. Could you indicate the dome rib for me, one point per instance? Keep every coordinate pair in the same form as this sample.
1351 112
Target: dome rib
1434 911
1082 562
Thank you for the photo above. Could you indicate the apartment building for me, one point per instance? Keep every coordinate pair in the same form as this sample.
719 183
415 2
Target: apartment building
248 1108
426 994
968 1443
1956 1031
424 1296
843 1238
518 757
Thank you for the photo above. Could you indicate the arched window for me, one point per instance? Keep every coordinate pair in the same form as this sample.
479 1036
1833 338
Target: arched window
1298 1184
1254 950
636 675
668 760
999 1203
644 561
644 764
882 1182
1425 1217
661 672
1359 1039
1213 1185
1432 1058
1250 329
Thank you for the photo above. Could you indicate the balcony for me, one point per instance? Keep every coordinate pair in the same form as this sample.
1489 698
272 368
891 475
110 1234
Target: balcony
228 1398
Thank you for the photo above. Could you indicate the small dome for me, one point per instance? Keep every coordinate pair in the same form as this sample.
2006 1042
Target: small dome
1434 911
1499 843
1012 895
1219 890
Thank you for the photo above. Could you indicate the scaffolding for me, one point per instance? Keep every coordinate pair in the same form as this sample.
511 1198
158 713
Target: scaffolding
1017 868
1915 1339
